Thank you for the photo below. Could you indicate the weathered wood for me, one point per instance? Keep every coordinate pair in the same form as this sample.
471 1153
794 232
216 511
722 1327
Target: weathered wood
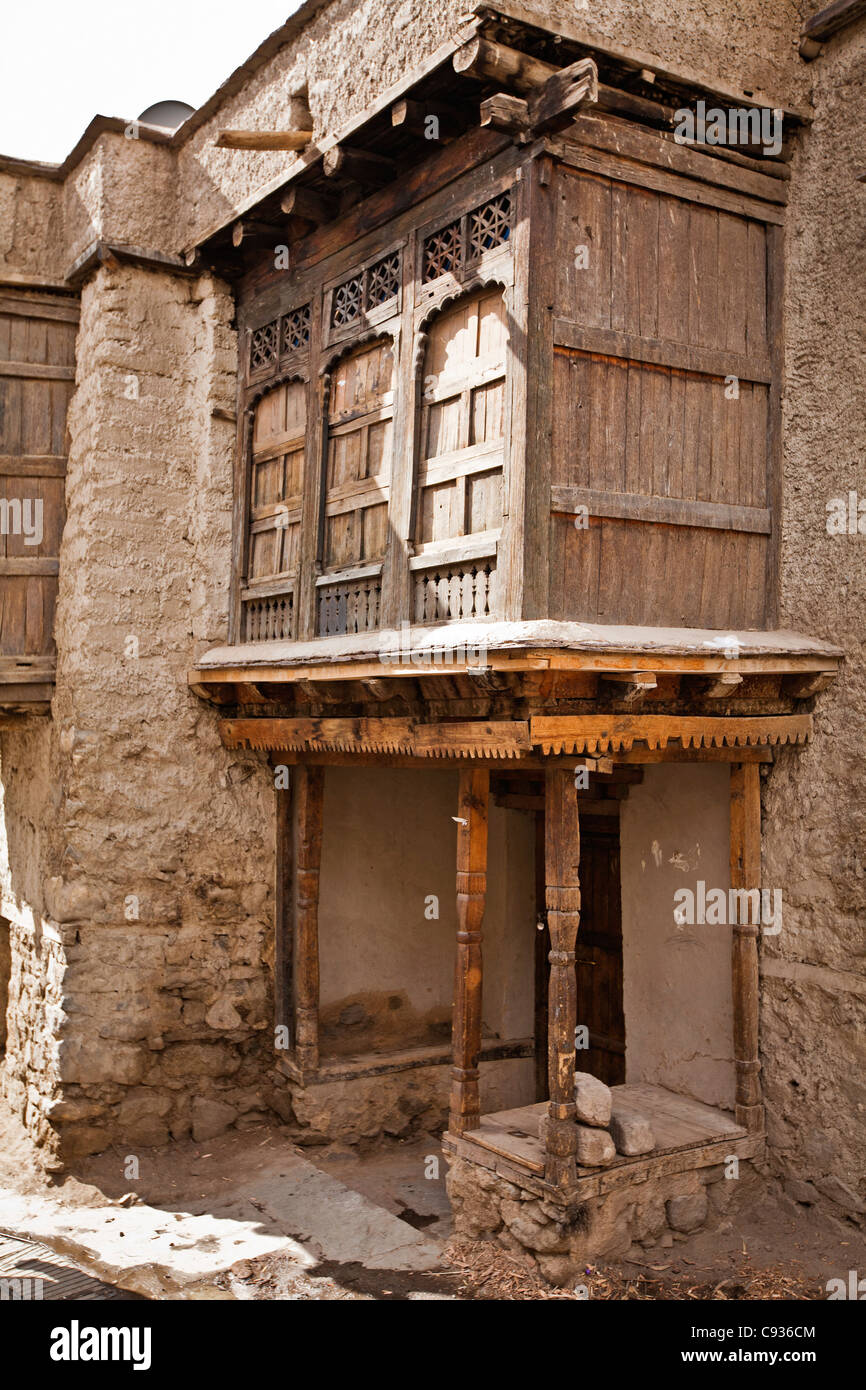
831 19
687 357
804 687
670 511
603 733
283 911
746 874
307 204
504 111
558 100
562 896
414 117
358 166
486 60
308 799
723 685
248 230
263 139
465 1103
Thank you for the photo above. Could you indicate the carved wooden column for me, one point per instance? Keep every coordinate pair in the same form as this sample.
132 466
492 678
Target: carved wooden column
746 873
471 896
309 784
284 865
562 895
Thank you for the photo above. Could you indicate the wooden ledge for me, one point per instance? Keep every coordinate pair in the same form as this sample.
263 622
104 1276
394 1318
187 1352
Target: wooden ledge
516 740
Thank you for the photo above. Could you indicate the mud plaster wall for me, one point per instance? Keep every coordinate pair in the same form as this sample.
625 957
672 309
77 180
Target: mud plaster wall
31 225
353 50
387 970
813 997
155 866
677 979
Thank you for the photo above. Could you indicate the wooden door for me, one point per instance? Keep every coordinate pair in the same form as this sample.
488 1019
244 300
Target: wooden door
37 377
599 951
276 486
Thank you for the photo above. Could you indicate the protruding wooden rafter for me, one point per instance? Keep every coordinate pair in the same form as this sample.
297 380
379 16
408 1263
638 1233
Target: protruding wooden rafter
264 139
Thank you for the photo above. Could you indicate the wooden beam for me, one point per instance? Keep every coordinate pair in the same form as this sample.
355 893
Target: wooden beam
465 1104
831 19
264 139
803 687
250 231
359 166
308 806
495 62
616 733
305 203
746 874
554 106
635 684
562 898
506 112
414 118
720 687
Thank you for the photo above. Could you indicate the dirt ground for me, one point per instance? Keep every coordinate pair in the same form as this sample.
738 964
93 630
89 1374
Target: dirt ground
773 1248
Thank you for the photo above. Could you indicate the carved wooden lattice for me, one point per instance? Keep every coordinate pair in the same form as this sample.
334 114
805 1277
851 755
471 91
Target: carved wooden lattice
348 302
369 289
443 251
263 347
269 619
348 607
451 592
489 225
281 338
449 249
296 330
383 280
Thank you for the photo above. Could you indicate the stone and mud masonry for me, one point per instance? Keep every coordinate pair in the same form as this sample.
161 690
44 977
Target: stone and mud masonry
561 1238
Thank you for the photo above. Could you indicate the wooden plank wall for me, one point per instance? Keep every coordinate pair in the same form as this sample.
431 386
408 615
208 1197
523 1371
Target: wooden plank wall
37 372
667 303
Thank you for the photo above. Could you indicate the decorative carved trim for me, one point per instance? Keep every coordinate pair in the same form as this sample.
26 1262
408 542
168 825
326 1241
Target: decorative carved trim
602 733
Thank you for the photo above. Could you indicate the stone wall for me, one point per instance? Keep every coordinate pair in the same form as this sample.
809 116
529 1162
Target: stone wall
560 1239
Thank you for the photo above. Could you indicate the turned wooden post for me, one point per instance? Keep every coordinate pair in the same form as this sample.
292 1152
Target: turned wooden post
562 895
309 785
471 895
283 910
746 873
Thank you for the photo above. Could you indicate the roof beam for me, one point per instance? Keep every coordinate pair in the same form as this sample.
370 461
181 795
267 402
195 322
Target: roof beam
263 139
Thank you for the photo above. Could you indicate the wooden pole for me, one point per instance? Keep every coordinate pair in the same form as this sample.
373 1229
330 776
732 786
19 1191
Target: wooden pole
283 934
746 874
308 801
562 864
471 896
263 139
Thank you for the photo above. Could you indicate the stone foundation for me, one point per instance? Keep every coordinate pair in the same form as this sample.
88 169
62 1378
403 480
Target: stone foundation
560 1240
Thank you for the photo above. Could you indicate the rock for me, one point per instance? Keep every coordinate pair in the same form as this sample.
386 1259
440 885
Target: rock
210 1118
223 1015
592 1098
687 1213
71 902
666 1241
802 1192
595 1148
840 1193
532 1236
631 1134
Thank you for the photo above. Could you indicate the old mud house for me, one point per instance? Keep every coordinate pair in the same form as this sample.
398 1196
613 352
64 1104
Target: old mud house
445 492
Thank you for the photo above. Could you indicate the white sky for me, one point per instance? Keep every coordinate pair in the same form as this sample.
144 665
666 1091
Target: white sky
62 61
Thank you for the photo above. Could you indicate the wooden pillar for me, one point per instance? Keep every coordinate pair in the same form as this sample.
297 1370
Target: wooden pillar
746 873
562 894
283 913
465 1108
309 784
